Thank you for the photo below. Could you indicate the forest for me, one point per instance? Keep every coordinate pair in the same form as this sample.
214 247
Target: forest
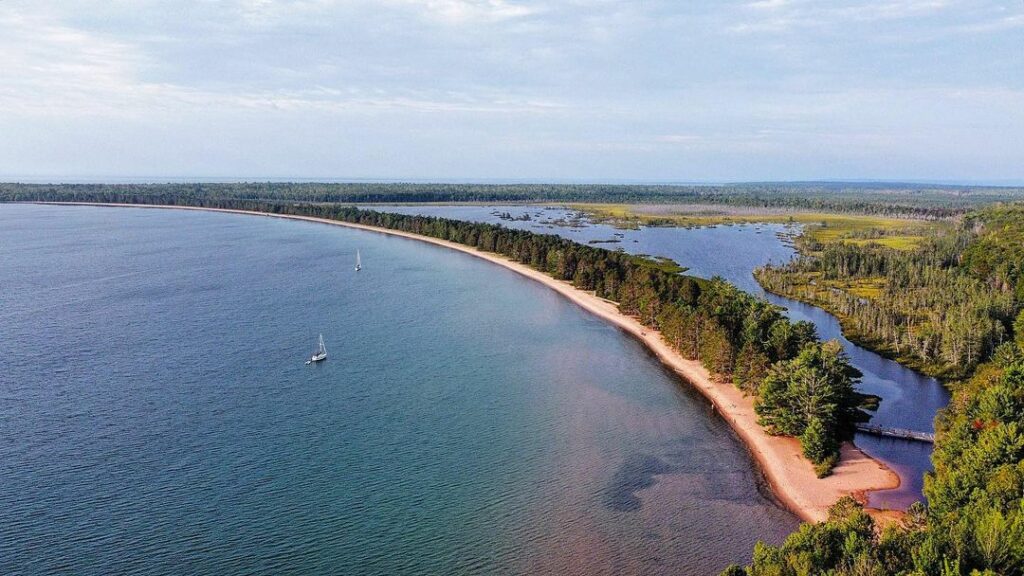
887 199
973 523
956 304
943 307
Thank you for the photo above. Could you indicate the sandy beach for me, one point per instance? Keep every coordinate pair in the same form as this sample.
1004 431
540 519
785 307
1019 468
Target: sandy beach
790 475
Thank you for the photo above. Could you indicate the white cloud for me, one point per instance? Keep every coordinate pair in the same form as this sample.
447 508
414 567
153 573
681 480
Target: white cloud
44 60
777 16
999 24
572 86
768 4
52 69
677 138
452 12
469 11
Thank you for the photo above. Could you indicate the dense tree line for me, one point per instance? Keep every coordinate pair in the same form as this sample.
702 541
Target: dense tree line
735 335
898 200
974 521
944 306
996 253
960 292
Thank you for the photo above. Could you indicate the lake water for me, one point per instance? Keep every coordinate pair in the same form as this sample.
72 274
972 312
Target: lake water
910 399
157 417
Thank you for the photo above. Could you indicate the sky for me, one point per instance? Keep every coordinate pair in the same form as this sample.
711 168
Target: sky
576 90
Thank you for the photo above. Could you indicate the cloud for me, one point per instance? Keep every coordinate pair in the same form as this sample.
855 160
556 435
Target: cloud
43 59
572 87
999 24
459 12
270 13
777 16
677 138
53 69
768 4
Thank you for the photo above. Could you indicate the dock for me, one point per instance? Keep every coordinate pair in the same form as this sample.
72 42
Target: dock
896 433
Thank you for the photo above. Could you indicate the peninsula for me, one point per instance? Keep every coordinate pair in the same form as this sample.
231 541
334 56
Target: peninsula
792 477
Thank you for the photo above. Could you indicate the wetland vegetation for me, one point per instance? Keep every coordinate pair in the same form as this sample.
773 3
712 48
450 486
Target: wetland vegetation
951 304
943 306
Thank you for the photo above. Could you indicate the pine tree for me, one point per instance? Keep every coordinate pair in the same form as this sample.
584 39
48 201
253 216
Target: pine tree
817 444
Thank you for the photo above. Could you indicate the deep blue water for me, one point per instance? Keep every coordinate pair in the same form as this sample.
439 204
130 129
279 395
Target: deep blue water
156 416
910 399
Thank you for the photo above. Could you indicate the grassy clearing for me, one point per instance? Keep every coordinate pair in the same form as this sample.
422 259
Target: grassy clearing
821 227
869 288
900 242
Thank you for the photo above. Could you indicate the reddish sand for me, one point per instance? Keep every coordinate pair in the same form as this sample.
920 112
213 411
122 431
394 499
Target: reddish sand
791 476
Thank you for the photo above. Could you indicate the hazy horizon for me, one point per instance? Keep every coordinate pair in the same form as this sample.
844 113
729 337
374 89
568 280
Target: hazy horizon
926 91
57 180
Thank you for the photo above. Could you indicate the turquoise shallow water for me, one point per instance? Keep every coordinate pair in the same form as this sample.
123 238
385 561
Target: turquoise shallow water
156 416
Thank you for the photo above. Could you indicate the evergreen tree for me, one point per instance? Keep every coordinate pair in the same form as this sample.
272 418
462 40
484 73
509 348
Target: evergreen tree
818 445
1018 331
815 388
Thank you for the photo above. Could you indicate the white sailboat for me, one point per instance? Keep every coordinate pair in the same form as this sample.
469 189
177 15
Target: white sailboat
359 262
320 354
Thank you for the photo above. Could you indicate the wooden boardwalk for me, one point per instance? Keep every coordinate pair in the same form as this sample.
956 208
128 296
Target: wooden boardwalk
896 433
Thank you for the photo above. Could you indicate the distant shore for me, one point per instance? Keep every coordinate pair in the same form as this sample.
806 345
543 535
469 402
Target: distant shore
790 475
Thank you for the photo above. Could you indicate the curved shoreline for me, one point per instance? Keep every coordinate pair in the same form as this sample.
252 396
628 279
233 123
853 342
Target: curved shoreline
789 474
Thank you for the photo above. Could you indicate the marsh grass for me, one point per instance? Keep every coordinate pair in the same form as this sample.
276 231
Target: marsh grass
819 227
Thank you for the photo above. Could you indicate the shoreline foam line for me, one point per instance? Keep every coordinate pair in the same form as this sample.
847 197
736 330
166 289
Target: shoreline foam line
780 459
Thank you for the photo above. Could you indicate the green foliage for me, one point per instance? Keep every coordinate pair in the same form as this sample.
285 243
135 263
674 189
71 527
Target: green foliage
816 442
846 543
976 493
974 524
980 454
751 367
997 253
811 397
786 339
1018 331
893 200
944 307
824 467
1007 354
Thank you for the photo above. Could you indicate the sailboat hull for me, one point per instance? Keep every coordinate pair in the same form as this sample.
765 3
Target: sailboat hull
321 352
